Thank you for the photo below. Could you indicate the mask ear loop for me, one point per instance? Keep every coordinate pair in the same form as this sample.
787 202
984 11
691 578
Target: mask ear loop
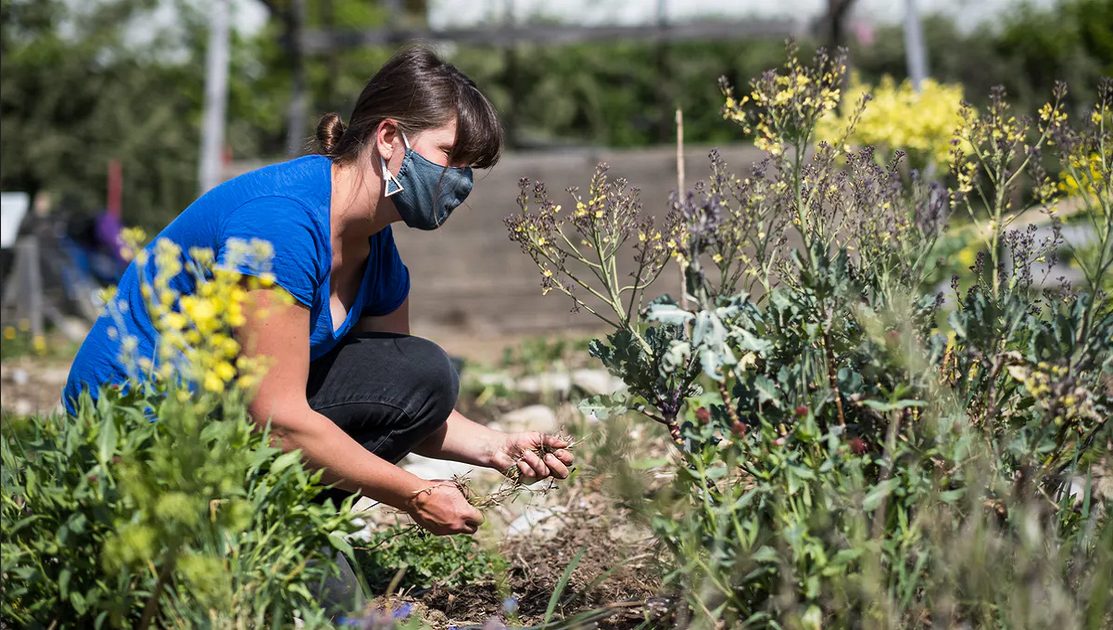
390 182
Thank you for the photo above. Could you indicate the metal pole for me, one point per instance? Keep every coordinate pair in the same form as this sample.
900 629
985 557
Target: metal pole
298 112
216 97
914 51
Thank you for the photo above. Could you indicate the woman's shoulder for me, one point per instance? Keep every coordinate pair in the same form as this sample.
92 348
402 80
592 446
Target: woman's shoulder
296 190
306 179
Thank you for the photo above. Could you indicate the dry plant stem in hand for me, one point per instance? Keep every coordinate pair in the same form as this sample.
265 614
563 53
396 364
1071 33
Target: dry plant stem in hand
443 509
551 456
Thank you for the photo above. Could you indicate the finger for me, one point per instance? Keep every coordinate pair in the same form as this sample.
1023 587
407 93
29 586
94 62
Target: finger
524 469
472 523
538 466
564 456
554 441
556 468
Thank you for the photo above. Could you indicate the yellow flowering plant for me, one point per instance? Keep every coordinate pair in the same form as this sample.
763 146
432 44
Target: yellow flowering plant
991 153
166 505
578 251
196 345
841 424
897 116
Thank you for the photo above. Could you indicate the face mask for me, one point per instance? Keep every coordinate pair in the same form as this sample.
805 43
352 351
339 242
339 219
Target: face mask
424 192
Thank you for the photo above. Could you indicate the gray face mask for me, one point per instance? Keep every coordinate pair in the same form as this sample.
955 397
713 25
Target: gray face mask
424 192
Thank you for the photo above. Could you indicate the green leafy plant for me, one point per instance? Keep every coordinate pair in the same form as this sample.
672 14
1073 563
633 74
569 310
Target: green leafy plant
846 434
425 560
111 519
163 503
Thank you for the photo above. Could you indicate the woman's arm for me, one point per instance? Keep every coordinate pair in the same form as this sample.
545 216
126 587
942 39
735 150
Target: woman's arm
463 440
280 333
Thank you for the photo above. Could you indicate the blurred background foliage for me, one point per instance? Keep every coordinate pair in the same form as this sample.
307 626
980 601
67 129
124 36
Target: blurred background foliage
78 87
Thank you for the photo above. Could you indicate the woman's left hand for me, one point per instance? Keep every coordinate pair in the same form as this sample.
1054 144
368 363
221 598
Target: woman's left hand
536 455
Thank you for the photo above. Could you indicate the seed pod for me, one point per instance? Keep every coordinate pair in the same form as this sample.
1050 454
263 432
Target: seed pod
857 445
703 415
801 410
738 428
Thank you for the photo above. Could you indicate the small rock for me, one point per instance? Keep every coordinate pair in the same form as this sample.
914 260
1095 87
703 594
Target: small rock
495 379
536 523
597 382
531 418
365 531
20 377
429 468
545 383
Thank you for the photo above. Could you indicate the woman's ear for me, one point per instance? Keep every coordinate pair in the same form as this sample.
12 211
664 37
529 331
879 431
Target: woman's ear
386 135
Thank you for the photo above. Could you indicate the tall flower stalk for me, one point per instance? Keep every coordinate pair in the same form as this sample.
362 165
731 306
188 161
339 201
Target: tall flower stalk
577 251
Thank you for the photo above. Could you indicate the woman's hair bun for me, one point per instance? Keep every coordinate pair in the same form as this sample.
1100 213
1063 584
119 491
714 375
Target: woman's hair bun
329 132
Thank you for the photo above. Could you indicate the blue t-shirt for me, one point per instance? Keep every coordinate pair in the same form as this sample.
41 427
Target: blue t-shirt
286 204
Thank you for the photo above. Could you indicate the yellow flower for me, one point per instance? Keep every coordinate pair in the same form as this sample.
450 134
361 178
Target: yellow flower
899 117
213 382
225 371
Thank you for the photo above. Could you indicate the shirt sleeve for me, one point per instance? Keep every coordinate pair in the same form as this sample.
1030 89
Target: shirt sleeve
390 284
276 236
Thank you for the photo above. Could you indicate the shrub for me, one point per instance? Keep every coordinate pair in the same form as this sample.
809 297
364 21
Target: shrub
164 504
919 122
850 447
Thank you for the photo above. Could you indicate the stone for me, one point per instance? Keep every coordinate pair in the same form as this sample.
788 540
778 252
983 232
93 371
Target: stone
429 468
542 523
545 383
597 382
495 379
20 377
532 418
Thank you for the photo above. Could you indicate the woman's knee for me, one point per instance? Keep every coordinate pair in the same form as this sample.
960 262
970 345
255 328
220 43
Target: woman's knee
434 377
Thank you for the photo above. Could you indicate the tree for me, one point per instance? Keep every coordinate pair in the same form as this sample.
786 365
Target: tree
75 94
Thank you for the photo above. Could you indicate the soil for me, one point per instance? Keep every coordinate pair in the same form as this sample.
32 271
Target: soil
616 583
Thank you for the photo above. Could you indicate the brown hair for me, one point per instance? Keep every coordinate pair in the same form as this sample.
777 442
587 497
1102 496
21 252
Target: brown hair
420 91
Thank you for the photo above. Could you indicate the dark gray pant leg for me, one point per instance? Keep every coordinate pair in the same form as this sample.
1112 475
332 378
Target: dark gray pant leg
388 391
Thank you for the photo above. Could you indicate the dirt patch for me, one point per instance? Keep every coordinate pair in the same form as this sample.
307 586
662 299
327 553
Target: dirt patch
31 385
615 583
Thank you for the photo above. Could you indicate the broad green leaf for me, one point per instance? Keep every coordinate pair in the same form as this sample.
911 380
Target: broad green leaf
106 441
284 461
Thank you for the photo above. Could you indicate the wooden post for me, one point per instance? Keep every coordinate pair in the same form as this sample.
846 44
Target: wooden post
114 202
680 193
680 151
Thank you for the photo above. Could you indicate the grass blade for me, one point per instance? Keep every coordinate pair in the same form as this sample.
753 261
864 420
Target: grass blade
561 585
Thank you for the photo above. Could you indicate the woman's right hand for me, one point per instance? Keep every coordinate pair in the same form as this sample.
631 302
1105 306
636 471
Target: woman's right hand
443 510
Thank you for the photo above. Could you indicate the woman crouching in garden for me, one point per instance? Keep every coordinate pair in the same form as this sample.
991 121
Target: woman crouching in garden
345 381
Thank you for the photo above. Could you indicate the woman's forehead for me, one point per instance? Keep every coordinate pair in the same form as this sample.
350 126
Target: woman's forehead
444 134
